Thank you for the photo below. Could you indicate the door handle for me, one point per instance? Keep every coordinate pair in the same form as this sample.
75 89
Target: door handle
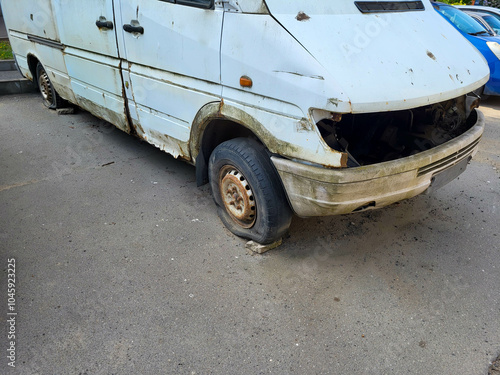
133 29
103 24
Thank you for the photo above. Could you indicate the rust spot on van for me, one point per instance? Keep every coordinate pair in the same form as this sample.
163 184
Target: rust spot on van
301 16
343 160
431 55
221 107
171 145
139 128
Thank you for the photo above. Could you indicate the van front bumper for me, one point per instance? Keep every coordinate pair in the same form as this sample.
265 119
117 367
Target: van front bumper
317 191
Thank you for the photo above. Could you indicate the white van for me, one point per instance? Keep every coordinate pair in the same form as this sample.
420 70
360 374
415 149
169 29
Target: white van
308 107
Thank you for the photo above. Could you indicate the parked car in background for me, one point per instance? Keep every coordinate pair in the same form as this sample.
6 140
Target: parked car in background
495 12
490 23
476 33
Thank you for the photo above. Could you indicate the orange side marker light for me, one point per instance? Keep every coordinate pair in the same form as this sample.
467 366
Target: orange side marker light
246 81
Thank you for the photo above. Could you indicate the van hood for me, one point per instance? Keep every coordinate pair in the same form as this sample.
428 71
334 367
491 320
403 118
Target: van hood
384 61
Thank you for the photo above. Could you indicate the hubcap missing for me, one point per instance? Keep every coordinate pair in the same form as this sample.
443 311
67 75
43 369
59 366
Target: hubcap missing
237 196
45 88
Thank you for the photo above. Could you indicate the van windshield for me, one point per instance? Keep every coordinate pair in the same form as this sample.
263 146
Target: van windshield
461 20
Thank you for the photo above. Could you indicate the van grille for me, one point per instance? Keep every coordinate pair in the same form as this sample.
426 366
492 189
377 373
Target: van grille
388 6
449 160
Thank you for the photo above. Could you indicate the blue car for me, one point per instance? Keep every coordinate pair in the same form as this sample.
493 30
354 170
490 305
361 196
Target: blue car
484 41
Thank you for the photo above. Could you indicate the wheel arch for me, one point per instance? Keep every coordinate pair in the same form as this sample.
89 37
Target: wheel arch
32 63
213 125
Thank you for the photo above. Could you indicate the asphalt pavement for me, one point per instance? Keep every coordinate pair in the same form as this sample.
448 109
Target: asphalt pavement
122 267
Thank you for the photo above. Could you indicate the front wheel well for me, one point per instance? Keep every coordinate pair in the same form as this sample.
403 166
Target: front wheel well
215 133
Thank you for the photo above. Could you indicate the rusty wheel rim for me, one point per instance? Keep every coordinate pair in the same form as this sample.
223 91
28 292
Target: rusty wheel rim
237 196
45 88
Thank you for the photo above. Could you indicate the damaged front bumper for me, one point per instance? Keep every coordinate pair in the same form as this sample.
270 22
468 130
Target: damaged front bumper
316 191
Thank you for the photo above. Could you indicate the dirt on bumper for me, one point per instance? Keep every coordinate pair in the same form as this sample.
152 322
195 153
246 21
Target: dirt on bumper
316 191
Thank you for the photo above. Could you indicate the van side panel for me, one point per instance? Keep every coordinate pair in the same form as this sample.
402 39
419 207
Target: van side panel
76 22
173 68
33 33
80 57
259 47
283 75
91 57
31 17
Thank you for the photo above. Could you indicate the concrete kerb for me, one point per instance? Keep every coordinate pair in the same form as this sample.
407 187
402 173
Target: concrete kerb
7 65
10 85
20 86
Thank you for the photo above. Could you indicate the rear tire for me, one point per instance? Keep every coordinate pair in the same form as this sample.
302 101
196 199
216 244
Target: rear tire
247 190
50 97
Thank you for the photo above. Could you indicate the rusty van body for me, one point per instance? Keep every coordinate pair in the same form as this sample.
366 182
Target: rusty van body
313 108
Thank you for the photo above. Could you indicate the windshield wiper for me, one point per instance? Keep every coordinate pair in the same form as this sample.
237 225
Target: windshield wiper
479 33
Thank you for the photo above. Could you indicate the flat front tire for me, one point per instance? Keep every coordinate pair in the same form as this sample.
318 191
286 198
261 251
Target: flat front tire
247 190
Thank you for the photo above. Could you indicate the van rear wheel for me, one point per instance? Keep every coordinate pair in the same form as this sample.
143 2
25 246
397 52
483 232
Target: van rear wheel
50 97
247 190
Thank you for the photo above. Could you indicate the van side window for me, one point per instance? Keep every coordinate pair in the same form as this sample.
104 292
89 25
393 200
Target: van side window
206 4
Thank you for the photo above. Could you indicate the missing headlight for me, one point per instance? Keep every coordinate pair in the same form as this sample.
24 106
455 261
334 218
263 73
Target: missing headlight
377 137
